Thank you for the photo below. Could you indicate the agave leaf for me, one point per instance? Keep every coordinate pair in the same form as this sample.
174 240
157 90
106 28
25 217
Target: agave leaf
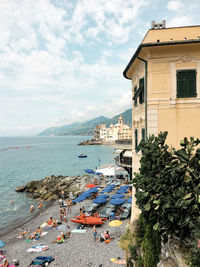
170 217
188 195
147 207
155 227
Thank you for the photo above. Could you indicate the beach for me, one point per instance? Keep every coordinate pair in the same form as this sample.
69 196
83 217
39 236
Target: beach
80 250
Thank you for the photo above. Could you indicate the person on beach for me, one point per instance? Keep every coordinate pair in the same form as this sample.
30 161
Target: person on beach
61 214
5 263
71 196
65 215
62 194
50 220
69 205
95 234
83 209
40 206
32 208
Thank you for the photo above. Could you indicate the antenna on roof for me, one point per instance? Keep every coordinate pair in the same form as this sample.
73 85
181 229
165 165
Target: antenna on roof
160 25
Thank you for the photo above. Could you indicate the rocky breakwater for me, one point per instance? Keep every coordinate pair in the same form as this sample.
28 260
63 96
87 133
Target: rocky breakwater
50 187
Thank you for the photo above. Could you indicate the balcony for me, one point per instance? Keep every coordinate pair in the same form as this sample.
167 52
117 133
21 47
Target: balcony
123 144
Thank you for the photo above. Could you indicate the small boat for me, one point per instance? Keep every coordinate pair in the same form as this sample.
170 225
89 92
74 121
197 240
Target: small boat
82 156
89 220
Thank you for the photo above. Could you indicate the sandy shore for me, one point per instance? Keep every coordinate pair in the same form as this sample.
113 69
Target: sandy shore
80 250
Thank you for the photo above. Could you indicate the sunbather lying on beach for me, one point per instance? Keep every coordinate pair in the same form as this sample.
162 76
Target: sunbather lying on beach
23 234
62 237
5 263
36 234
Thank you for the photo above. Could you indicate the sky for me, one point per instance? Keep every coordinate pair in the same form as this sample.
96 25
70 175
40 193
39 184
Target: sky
62 61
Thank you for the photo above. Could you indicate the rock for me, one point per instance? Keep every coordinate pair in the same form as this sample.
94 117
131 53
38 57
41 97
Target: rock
20 188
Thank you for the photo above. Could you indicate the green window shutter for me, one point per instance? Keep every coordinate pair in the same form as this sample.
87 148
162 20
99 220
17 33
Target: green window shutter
141 86
143 134
186 83
136 140
135 96
191 86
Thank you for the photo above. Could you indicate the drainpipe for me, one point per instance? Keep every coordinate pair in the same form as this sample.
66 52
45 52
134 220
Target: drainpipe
145 94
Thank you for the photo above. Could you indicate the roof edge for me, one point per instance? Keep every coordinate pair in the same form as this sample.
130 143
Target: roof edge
154 44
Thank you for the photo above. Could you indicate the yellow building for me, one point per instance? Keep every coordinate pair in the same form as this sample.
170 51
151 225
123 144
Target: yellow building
165 75
116 131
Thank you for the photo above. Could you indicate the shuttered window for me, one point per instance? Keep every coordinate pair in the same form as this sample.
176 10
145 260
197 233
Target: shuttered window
186 83
141 86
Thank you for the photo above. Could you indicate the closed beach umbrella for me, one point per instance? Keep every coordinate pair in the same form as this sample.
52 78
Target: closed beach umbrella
99 200
117 201
117 196
62 228
2 243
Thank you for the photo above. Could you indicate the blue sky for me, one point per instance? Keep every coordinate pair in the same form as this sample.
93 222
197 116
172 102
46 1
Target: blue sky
62 60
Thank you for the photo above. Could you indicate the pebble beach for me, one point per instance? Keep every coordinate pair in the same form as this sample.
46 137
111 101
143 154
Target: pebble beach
80 250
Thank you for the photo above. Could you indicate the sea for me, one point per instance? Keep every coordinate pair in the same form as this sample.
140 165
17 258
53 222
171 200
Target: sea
23 159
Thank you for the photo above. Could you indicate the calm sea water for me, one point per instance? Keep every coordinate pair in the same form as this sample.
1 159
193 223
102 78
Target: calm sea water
34 158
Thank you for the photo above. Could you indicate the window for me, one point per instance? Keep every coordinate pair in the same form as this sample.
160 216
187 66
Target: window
136 140
141 87
135 97
186 83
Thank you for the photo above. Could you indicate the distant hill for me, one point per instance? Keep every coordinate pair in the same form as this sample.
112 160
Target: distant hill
87 128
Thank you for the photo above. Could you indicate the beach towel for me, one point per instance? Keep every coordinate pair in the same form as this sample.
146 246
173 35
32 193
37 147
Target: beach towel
41 260
78 231
1 257
37 248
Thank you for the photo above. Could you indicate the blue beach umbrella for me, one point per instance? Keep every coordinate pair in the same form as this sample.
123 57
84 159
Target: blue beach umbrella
117 201
2 243
93 190
79 199
99 200
117 196
89 171
98 173
129 200
121 191
103 196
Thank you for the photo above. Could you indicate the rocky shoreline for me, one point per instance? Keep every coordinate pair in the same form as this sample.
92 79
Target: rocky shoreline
96 142
50 187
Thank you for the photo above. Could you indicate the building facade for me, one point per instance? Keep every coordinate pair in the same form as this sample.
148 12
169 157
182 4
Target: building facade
116 131
165 76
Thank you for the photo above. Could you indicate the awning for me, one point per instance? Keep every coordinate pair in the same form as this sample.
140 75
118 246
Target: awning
128 154
118 151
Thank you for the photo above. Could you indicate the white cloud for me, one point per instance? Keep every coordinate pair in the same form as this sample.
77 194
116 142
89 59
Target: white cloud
174 5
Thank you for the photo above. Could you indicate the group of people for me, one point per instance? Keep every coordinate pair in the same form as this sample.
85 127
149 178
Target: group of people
65 206
103 237
32 208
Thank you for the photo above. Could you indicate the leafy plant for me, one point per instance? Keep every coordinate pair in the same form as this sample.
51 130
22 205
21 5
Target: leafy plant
168 186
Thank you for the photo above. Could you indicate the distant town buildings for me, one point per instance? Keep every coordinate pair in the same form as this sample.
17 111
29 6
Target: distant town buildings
117 131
